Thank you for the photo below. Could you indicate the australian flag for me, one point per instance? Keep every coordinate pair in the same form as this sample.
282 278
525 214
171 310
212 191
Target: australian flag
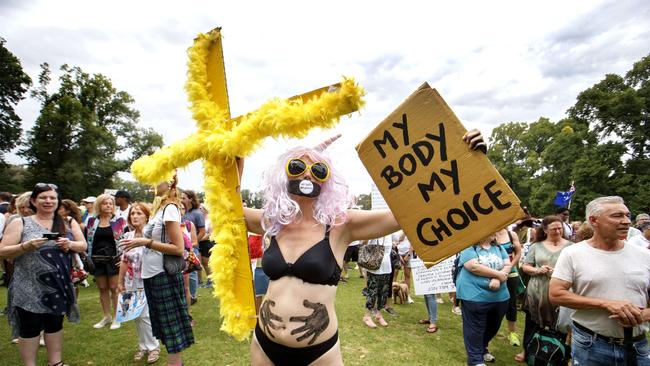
562 199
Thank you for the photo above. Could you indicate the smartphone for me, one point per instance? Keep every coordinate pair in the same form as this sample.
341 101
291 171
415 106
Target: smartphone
51 236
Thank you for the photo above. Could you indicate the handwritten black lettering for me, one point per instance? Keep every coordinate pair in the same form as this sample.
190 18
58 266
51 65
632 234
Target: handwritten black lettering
437 180
441 139
411 162
494 196
393 177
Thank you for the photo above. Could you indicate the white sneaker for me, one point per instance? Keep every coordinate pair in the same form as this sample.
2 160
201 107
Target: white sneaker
456 310
440 301
115 325
14 341
410 301
102 323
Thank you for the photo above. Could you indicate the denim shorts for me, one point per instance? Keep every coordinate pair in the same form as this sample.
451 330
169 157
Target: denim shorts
586 349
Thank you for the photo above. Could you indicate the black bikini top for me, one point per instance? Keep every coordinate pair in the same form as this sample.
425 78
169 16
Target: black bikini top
317 265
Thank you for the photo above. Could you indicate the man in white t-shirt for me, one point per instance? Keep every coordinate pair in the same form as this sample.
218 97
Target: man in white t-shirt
607 282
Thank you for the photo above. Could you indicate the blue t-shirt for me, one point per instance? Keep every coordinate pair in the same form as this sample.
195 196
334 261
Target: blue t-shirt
471 287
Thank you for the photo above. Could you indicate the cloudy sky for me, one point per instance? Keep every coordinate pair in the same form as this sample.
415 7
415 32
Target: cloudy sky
493 62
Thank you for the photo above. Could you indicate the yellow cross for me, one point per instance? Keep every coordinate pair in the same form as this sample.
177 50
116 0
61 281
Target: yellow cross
219 141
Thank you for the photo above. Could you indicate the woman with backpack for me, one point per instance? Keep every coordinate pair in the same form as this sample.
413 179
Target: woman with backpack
539 264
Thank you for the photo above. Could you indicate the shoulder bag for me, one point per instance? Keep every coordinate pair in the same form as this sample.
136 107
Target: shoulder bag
371 256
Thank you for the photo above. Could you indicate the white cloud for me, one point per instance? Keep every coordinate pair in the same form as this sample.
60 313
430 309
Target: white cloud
492 62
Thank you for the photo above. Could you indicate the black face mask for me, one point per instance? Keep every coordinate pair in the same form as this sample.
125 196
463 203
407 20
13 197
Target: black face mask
303 187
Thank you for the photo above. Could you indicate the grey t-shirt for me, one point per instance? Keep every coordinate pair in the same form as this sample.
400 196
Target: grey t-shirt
619 275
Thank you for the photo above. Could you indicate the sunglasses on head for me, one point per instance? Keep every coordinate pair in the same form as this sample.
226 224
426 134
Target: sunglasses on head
296 167
46 185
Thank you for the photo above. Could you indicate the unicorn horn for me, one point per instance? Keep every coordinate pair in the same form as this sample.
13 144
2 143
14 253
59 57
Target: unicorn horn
325 144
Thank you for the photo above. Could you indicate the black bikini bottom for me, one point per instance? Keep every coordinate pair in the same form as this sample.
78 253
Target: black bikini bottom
290 356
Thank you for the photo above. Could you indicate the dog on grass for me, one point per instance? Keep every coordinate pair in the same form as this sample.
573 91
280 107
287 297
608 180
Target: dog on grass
401 292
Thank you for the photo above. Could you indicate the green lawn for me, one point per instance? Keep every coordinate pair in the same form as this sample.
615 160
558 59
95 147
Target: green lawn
403 342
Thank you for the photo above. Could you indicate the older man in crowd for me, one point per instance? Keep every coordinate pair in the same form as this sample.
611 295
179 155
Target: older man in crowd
607 282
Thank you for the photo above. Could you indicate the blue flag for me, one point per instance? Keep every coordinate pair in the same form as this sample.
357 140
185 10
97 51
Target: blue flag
562 199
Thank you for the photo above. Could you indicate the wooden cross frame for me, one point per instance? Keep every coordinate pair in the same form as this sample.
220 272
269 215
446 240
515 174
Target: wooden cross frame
219 141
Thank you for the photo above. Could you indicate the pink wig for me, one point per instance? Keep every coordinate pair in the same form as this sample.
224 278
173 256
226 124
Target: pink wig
330 207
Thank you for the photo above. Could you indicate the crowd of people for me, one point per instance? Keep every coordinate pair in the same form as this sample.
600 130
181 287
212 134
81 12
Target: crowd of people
588 280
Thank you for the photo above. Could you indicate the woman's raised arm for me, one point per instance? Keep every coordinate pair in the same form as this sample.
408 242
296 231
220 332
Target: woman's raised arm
364 225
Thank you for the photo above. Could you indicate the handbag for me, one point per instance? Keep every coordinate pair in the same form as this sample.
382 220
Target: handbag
173 264
87 262
371 256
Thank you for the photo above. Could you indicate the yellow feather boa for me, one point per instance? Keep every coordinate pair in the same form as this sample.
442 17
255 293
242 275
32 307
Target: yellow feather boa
218 142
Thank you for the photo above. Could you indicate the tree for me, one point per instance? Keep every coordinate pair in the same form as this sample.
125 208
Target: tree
619 108
602 146
13 85
138 191
86 133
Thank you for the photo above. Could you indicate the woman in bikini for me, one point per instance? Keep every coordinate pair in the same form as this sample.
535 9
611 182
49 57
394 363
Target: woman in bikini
310 227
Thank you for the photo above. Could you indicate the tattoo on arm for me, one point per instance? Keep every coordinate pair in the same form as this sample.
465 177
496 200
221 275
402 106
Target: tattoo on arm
315 323
267 317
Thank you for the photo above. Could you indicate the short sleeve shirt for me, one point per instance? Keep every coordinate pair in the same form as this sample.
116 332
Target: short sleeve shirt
617 275
471 287
152 260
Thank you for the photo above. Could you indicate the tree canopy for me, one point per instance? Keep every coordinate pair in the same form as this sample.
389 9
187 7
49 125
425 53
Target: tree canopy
602 146
86 132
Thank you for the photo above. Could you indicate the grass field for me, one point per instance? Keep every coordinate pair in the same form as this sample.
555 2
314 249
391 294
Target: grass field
403 342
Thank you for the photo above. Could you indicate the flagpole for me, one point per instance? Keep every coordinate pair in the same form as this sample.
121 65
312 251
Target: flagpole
571 198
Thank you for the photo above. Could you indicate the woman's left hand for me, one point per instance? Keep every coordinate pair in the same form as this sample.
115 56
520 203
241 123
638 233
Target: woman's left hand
128 244
63 244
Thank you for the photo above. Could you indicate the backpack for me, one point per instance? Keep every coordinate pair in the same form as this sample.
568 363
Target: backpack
455 269
546 348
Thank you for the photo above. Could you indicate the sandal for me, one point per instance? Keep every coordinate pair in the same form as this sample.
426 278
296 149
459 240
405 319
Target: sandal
368 321
138 356
432 328
153 356
60 363
424 321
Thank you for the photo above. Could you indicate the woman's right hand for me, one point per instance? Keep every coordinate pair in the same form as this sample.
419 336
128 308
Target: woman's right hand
34 244
120 288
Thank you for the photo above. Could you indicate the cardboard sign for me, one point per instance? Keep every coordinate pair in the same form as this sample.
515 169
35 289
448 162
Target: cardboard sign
434 280
445 196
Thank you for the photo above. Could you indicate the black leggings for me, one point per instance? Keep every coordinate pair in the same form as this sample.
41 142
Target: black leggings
513 285
31 324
